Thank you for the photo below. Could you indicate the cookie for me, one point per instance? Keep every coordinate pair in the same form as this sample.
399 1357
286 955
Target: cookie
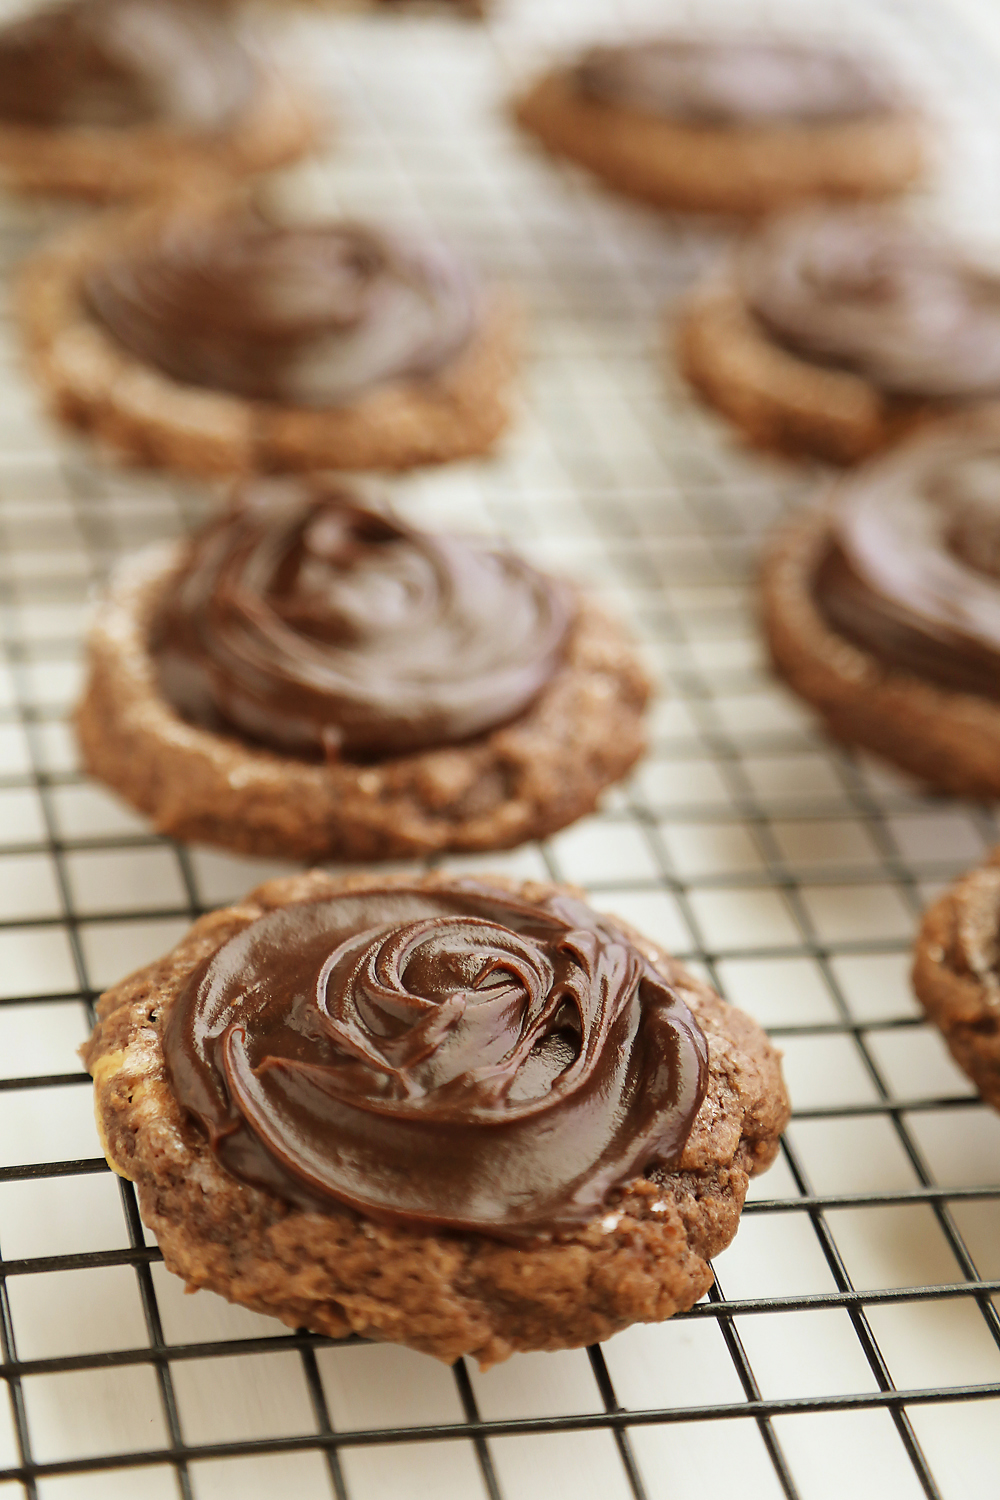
201 335
955 974
313 679
471 1117
474 9
882 607
106 99
835 333
734 124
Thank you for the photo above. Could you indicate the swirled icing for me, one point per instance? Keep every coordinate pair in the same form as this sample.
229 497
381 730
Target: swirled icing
313 315
871 293
736 80
912 572
119 63
317 626
450 1058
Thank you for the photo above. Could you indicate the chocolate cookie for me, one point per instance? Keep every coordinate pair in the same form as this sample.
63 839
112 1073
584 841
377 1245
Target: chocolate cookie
955 974
109 98
475 9
468 1117
882 608
203 336
737 124
837 332
311 678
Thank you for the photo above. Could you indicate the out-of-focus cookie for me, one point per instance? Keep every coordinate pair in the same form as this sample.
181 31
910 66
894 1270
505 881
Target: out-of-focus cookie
882 607
836 332
471 1117
474 9
955 974
105 99
735 123
204 335
313 679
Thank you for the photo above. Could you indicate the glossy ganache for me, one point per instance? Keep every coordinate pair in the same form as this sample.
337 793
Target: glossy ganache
737 80
313 315
122 63
912 570
868 292
310 623
452 1058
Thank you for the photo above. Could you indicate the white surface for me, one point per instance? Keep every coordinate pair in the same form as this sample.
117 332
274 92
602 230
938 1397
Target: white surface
790 873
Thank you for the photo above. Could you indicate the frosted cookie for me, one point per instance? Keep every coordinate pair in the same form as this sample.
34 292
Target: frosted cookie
310 678
882 608
738 124
469 1117
214 339
108 98
837 332
476 9
955 974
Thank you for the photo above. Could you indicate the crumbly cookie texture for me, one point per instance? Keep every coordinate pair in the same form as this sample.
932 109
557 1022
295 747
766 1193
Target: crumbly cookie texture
950 740
778 400
719 169
520 781
645 1258
105 164
955 975
145 417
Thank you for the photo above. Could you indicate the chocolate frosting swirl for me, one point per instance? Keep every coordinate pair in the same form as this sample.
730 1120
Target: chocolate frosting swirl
317 626
736 80
449 1058
310 316
912 574
119 63
870 293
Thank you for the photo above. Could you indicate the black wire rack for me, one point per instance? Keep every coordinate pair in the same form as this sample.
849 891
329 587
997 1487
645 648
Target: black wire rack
852 1338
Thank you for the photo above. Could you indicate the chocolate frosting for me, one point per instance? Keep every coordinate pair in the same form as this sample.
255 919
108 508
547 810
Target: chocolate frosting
912 574
309 316
868 292
450 1059
737 80
317 626
118 63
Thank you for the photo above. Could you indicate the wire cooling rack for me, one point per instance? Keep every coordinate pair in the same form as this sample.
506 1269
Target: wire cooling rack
851 1344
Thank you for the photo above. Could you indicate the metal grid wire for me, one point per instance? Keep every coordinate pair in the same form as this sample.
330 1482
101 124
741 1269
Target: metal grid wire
852 1341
